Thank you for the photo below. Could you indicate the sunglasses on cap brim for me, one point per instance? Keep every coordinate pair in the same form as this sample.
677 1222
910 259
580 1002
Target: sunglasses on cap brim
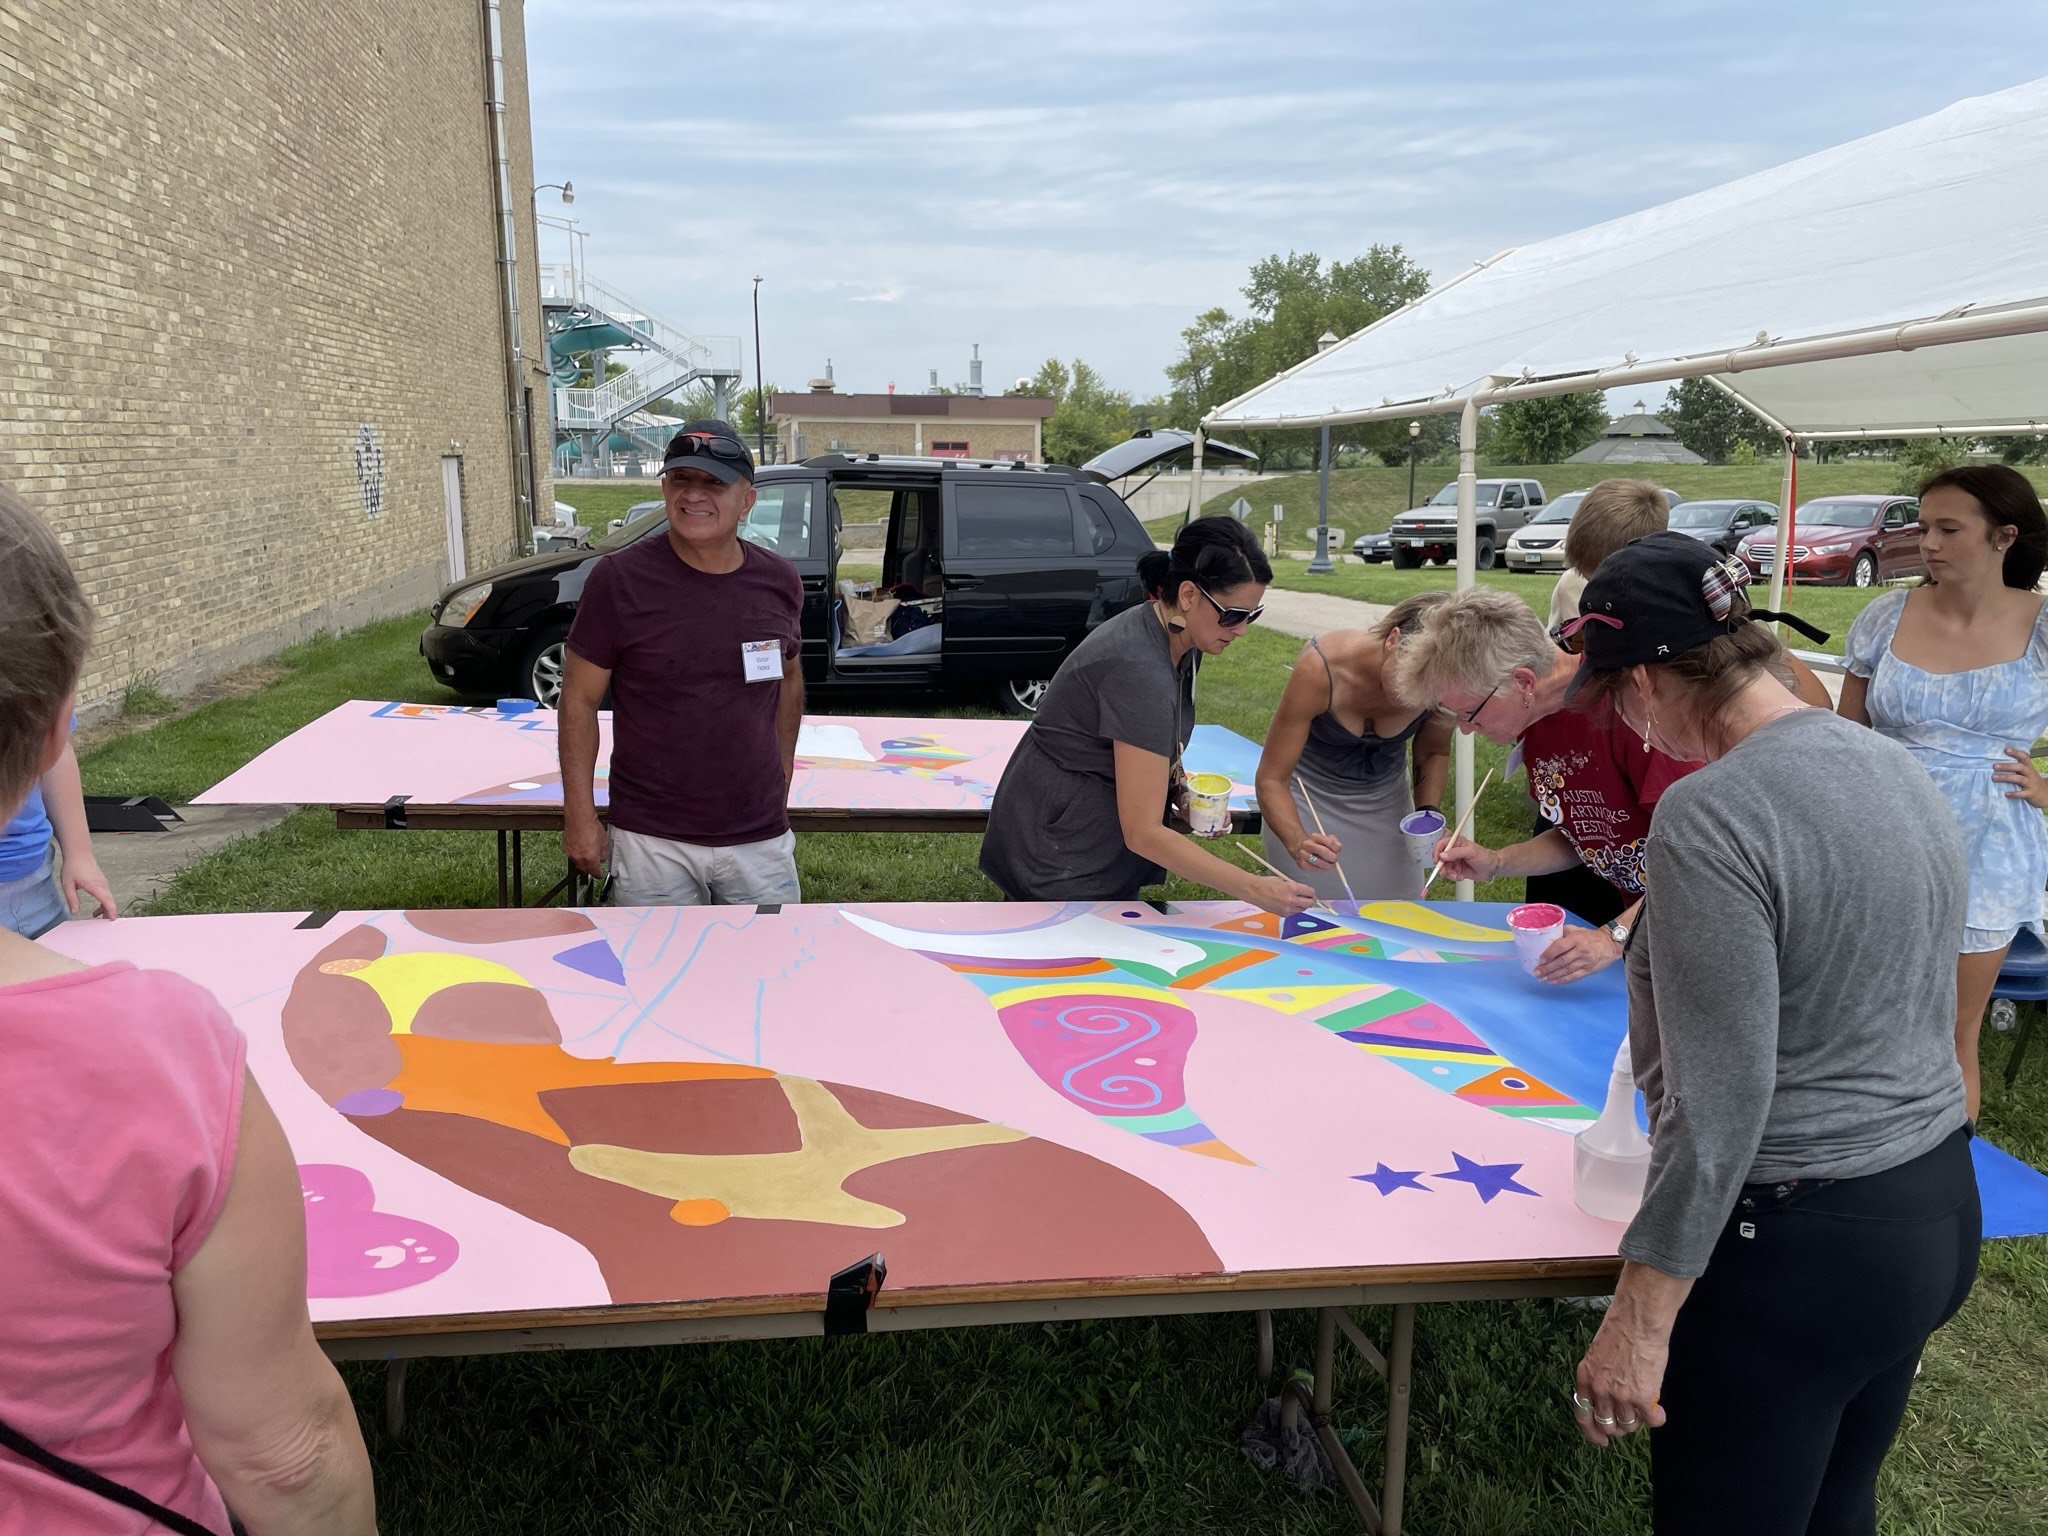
1232 618
703 442
1571 634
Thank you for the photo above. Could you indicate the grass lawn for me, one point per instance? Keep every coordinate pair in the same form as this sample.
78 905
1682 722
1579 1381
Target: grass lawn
1108 1427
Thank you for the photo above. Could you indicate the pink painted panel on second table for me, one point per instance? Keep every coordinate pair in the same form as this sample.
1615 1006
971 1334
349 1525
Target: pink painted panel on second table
505 1111
364 753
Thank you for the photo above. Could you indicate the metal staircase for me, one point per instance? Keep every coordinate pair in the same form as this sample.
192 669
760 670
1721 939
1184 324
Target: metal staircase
589 319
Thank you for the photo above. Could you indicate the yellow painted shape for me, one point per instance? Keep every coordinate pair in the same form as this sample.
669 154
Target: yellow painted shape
405 981
1414 915
1425 1053
804 1185
1077 985
1293 999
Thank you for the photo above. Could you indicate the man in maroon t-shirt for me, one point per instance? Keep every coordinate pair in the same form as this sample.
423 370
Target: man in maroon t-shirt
695 631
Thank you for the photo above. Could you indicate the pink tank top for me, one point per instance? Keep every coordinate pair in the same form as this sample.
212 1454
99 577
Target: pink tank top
123 1094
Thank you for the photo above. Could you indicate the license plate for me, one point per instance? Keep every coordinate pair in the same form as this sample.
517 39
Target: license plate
1530 559
1416 543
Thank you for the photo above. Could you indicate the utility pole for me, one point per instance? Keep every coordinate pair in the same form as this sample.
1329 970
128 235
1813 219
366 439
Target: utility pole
760 384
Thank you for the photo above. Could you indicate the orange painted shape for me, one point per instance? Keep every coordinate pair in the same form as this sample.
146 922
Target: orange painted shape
500 1083
699 1213
1078 968
1511 1085
1262 923
1217 969
1218 1150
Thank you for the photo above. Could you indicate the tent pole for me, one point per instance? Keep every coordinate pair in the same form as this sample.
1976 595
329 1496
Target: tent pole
1195 482
1787 514
1468 506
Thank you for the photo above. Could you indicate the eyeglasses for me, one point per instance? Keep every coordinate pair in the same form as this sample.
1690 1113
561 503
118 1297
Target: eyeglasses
1571 634
1232 618
687 444
1471 716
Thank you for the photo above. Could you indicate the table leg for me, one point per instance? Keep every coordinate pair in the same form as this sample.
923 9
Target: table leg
504 887
1400 1368
1316 1399
394 1396
518 871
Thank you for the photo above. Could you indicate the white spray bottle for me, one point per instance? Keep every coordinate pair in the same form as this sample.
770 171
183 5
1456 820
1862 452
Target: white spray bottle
1611 1161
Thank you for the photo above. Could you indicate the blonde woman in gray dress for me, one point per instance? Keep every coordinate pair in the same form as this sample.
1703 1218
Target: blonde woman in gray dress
1364 756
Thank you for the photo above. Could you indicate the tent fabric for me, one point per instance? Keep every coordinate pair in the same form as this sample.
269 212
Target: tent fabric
1944 214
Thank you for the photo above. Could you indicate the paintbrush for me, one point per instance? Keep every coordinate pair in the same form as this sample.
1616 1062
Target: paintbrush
1253 853
1307 800
1456 833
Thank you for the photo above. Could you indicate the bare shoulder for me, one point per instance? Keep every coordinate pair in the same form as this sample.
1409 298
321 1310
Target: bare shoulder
22 960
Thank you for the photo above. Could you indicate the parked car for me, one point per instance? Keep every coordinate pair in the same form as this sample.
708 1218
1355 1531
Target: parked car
1374 548
1723 524
1855 541
1012 564
1539 544
1430 531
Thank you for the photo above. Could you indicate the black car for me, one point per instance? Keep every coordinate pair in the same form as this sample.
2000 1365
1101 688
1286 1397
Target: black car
1723 524
1373 548
1014 563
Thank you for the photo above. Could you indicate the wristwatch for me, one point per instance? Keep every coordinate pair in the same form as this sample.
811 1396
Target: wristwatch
1618 931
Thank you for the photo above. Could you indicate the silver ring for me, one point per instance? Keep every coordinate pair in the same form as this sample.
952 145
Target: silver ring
1603 1423
1582 1406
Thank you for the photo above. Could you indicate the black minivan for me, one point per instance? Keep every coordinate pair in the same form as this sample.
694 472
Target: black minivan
1016 564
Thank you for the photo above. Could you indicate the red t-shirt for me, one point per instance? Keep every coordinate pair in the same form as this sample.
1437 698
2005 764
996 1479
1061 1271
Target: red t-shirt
695 757
1589 774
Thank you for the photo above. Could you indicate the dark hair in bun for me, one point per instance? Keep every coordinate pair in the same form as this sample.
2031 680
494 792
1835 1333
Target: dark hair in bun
1215 552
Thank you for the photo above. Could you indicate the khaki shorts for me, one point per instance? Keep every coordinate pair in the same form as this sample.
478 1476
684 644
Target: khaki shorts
660 872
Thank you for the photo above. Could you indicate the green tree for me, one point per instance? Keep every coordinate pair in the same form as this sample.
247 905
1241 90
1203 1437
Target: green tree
1548 429
746 416
1088 416
1711 425
2024 450
1293 301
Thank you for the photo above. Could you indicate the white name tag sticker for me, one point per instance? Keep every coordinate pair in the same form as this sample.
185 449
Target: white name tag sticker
761 660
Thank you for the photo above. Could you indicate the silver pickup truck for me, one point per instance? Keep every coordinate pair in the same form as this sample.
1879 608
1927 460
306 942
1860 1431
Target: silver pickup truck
1430 531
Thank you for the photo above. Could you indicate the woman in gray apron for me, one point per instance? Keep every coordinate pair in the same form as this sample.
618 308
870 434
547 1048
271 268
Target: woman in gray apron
1346 759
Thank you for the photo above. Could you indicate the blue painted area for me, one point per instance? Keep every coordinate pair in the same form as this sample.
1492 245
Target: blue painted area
1212 749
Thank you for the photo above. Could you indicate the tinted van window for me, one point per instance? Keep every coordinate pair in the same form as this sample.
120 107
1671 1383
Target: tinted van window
1013 521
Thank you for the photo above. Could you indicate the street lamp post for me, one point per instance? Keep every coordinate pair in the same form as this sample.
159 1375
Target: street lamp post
760 384
1414 448
1319 564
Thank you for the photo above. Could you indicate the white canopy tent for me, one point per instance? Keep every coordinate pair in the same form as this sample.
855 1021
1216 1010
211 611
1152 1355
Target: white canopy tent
1893 286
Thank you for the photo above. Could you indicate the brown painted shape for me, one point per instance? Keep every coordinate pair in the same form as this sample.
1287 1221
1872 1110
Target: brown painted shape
488 1010
335 1028
1011 1213
708 1116
481 926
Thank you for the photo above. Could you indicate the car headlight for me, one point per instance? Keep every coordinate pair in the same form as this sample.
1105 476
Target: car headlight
463 604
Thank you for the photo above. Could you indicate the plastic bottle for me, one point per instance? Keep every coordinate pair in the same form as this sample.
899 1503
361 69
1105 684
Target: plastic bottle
1611 1161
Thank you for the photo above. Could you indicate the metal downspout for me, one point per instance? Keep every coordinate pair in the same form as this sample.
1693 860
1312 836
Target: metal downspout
508 270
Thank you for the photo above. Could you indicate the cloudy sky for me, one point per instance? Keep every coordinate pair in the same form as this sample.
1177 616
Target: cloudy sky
1054 177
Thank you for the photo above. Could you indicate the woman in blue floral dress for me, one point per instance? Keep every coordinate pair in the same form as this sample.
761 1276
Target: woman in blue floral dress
1956 671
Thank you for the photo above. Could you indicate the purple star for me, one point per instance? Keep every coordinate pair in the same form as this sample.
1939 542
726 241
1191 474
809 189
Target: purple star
1386 1180
1488 1178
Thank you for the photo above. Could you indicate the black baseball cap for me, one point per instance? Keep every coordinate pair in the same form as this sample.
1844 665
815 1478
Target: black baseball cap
712 446
1660 596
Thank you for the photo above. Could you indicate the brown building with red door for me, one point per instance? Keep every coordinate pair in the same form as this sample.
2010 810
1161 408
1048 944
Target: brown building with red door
921 426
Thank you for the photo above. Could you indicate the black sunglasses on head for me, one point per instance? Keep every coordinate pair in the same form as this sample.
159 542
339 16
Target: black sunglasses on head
682 445
1231 618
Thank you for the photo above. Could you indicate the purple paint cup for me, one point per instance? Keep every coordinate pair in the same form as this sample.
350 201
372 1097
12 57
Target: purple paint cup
1536 927
1424 830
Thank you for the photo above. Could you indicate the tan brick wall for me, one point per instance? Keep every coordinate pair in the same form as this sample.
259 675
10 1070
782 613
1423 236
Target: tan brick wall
233 233
984 439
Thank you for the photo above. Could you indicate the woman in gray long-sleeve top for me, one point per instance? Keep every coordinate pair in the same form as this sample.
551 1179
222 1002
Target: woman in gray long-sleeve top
1811 1215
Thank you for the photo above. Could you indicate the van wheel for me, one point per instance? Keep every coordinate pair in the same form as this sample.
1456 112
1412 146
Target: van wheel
540 676
1406 560
1022 695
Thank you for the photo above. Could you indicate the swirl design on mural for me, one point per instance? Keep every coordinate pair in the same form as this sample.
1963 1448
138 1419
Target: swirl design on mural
1127 1092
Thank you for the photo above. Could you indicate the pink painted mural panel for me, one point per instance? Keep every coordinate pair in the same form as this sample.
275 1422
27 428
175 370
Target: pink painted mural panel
507 1111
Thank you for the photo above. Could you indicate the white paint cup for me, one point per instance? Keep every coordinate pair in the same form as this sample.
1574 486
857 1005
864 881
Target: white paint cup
1208 804
1424 830
1536 926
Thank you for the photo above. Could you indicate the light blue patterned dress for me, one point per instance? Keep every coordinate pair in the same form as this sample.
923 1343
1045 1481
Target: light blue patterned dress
1957 725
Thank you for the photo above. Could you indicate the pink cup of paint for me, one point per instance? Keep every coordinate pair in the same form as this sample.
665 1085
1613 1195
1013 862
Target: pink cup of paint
1424 830
1536 927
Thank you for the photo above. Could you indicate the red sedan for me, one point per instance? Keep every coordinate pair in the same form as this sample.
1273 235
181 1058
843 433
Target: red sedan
1855 541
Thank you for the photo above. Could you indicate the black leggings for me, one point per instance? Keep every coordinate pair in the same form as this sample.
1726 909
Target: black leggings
1792 1357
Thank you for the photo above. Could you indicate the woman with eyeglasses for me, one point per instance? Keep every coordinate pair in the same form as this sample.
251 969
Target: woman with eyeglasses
1081 812
1490 661
1335 778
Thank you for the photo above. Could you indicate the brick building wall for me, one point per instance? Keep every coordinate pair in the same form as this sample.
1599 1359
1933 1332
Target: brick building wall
249 252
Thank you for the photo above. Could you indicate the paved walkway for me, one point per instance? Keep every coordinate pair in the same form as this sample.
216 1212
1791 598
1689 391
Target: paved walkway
1315 613
140 864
